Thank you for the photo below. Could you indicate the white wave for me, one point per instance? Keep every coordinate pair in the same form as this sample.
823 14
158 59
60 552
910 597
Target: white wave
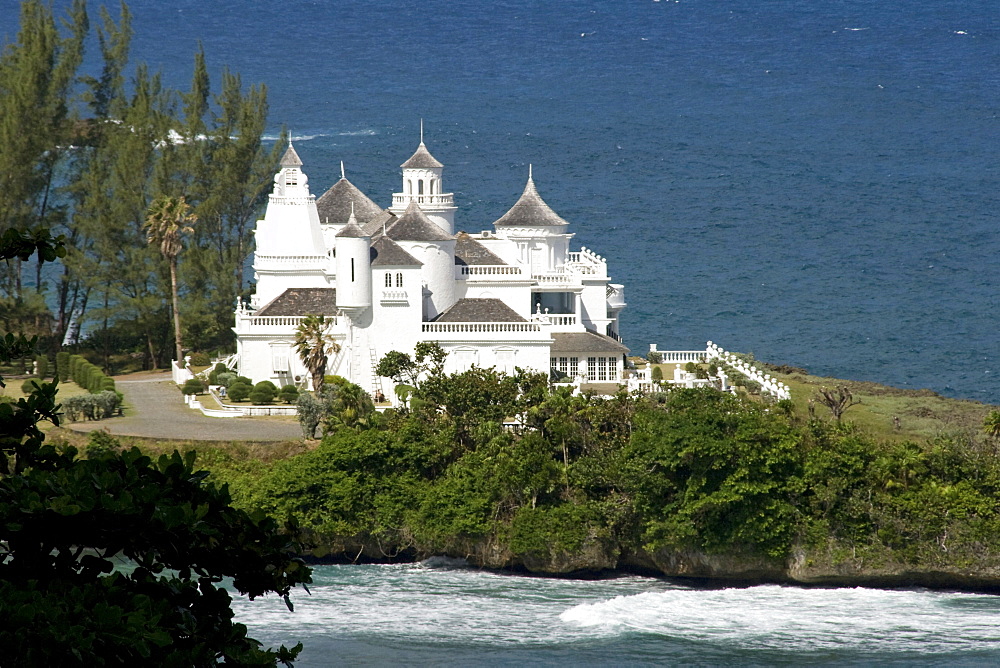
785 618
294 137
856 29
358 133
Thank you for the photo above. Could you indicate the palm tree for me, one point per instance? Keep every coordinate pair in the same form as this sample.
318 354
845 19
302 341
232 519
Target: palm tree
167 219
313 344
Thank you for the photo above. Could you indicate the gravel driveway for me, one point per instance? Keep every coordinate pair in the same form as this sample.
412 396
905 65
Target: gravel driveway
158 411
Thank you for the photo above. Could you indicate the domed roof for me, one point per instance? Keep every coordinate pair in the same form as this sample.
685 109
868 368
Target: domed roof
530 211
422 159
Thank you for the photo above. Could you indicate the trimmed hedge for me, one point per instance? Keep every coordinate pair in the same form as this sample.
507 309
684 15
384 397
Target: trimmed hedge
62 366
89 376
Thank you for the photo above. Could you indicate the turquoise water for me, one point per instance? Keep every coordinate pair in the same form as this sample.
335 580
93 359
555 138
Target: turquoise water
815 182
439 613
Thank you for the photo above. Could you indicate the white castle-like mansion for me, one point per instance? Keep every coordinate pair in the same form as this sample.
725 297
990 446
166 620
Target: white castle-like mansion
387 279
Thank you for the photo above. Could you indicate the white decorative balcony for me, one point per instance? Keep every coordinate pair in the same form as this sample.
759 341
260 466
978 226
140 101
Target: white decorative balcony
394 297
402 200
289 262
489 272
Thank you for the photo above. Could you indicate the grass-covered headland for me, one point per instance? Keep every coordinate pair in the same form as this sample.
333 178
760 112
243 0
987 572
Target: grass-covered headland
686 483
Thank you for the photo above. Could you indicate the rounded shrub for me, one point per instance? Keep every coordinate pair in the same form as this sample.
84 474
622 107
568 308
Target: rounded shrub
200 359
28 386
193 386
225 378
657 373
263 392
239 391
289 394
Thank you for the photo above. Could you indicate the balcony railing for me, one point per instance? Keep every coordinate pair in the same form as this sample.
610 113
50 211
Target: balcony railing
480 327
444 199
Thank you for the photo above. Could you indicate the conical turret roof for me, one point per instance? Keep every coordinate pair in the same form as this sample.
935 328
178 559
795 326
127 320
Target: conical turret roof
334 206
530 211
422 159
291 158
387 253
352 229
414 225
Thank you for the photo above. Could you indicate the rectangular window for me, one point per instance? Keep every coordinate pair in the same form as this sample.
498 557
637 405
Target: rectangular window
352 270
399 280
574 366
279 358
388 280
602 368
505 361
563 365
591 368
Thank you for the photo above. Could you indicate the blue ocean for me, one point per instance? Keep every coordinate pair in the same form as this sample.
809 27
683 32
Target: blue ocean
814 182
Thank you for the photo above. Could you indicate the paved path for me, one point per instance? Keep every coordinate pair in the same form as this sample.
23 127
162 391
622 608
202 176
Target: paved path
158 411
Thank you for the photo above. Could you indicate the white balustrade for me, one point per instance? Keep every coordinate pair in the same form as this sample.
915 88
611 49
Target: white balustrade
490 270
442 199
453 327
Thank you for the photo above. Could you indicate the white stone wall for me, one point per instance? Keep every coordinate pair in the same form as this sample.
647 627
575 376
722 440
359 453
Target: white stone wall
437 272
354 276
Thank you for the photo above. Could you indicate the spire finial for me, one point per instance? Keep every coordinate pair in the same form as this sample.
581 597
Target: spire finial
529 171
342 174
421 131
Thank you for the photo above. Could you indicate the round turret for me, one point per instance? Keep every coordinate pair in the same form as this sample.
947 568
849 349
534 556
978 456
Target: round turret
354 276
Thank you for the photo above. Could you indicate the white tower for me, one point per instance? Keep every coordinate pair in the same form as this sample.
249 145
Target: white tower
289 242
354 275
422 183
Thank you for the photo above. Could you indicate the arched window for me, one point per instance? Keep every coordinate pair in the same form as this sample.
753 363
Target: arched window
420 187
409 187
399 279
388 279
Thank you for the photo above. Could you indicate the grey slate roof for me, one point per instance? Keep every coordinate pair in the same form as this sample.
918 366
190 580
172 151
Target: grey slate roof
334 206
530 211
291 158
586 342
469 251
374 226
387 253
479 310
302 301
414 225
352 230
421 159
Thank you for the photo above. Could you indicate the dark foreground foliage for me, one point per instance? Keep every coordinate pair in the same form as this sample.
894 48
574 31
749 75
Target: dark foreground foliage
117 559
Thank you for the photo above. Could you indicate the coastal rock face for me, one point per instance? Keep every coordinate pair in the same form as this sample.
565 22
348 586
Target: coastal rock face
594 556
738 567
599 555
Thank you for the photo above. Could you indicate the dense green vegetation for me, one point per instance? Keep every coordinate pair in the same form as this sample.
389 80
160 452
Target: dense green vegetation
591 483
156 190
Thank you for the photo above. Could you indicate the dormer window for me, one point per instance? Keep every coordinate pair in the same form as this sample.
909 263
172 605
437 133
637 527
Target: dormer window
291 179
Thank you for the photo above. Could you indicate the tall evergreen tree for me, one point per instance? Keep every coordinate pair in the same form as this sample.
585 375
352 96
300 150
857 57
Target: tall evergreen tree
37 73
